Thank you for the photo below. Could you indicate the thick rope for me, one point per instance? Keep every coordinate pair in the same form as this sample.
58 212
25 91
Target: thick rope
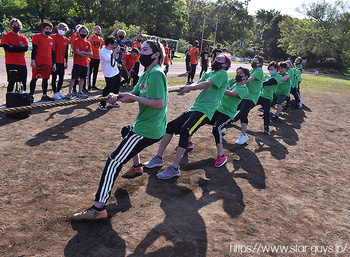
65 103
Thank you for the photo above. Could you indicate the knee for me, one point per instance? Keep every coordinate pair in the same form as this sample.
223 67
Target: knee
125 130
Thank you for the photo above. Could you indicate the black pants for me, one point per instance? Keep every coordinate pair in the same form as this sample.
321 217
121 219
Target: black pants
60 73
203 70
219 121
112 86
295 91
21 76
93 69
266 105
134 76
190 76
44 85
244 109
131 145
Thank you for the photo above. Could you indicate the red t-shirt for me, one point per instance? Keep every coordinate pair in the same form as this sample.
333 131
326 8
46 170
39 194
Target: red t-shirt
61 44
45 46
96 45
10 38
129 60
193 55
82 45
167 54
73 37
137 45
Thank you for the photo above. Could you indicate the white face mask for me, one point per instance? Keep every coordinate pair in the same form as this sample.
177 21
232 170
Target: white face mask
61 32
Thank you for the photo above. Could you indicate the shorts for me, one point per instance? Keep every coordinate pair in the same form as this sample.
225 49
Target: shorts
42 71
21 72
79 72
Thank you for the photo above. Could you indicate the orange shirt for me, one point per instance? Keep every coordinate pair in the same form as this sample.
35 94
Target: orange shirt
137 45
167 54
10 38
193 55
73 37
96 45
46 45
82 45
61 45
129 60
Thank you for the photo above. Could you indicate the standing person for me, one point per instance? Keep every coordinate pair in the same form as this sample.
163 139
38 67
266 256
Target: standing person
128 72
216 51
193 58
61 52
188 59
15 45
43 59
167 59
282 91
82 50
108 56
295 72
204 61
213 85
97 43
172 52
236 90
267 92
137 44
151 93
254 84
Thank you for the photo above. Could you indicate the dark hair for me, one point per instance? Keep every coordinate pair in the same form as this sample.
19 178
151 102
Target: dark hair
157 47
45 24
245 71
135 50
195 43
260 58
282 65
274 64
110 40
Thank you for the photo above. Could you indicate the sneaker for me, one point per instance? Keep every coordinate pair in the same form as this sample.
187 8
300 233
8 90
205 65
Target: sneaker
189 146
133 172
82 95
299 105
169 173
267 130
115 105
69 96
188 83
220 160
46 98
95 88
156 161
91 214
60 95
242 139
74 93
101 107
56 96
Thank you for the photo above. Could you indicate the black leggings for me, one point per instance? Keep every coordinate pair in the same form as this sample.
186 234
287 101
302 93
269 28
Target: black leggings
244 109
190 76
219 121
131 145
33 86
93 69
186 125
112 86
60 73
266 105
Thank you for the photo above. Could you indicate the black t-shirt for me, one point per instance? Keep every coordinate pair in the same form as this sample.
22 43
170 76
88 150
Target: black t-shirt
215 52
205 57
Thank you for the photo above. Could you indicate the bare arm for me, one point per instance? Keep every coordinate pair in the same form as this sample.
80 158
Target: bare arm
231 93
198 85
251 78
157 103
285 78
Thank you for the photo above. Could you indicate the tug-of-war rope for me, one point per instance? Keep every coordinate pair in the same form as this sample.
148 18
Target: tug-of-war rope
65 103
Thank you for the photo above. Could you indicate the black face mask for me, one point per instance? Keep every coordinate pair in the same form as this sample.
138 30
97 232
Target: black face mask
146 60
254 65
47 33
83 35
216 66
239 78
16 29
121 37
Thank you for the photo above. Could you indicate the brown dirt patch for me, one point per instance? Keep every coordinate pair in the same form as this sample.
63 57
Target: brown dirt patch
288 189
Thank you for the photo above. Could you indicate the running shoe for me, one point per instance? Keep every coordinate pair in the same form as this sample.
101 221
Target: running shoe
220 160
169 173
133 172
242 139
156 161
93 213
101 107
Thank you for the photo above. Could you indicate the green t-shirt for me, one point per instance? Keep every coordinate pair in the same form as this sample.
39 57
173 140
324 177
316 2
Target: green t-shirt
268 91
209 99
295 77
254 87
284 87
151 122
229 104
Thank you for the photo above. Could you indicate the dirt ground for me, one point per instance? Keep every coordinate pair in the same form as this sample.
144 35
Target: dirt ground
289 189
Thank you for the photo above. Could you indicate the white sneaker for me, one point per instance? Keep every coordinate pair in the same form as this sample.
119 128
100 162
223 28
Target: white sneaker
242 139
60 95
115 105
56 96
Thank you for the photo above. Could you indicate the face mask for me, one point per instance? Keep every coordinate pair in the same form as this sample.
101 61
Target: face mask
83 35
146 60
61 32
216 66
272 72
254 65
16 29
47 33
121 37
239 78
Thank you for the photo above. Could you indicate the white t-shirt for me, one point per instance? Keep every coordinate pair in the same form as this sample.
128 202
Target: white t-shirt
108 70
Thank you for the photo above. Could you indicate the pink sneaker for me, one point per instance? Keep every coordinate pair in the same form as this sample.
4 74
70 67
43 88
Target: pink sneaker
189 146
220 160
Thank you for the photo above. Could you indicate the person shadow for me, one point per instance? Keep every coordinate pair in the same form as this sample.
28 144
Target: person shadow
61 130
98 238
182 225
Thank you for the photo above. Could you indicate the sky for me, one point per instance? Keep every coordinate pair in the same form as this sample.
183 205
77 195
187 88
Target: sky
285 6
